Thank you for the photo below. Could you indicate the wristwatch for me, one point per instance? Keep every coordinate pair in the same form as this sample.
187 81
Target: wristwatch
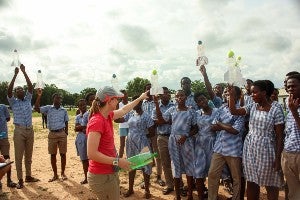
116 162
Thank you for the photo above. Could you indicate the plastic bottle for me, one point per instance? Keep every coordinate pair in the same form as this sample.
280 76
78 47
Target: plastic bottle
155 89
141 159
202 59
115 82
39 80
16 62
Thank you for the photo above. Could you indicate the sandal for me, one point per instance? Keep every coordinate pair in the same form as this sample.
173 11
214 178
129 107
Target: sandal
160 182
167 191
54 178
147 195
83 182
30 179
11 184
20 185
64 177
128 193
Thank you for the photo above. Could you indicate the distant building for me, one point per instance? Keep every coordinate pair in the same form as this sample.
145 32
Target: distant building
282 97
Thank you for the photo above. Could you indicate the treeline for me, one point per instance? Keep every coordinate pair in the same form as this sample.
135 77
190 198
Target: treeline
133 87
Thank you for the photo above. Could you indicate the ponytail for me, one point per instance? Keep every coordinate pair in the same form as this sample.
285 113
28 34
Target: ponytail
95 107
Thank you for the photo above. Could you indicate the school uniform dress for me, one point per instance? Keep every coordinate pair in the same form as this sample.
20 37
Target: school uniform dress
204 143
259 146
137 135
81 139
182 156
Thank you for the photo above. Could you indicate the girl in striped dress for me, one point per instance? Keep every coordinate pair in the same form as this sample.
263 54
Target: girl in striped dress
264 142
204 141
181 144
141 128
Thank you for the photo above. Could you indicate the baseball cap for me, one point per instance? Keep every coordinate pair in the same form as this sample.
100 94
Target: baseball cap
106 93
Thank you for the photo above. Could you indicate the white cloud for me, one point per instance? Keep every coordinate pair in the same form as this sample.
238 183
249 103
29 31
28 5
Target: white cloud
81 44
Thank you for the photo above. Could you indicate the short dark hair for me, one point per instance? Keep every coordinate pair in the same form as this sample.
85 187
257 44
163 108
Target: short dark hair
56 94
87 96
292 73
249 80
198 94
80 100
295 76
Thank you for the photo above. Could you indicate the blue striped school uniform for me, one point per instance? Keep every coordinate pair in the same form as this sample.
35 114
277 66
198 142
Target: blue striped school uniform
182 156
204 143
292 131
259 146
56 117
137 135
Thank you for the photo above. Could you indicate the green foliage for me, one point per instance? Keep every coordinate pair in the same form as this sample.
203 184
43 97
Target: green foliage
136 86
198 86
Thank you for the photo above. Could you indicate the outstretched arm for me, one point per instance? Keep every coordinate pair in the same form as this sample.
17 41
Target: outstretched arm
11 84
38 100
207 83
29 84
232 108
128 107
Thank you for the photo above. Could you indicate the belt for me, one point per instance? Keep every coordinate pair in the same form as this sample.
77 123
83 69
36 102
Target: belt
164 135
58 130
24 127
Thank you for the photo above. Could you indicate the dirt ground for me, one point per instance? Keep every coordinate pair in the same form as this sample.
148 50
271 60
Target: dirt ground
71 188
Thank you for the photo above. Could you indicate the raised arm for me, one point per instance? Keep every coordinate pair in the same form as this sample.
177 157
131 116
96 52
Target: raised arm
38 100
279 128
159 119
12 82
29 84
231 103
207 83
128 107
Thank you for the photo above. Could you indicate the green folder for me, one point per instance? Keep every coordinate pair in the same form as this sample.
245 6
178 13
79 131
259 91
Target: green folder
141 159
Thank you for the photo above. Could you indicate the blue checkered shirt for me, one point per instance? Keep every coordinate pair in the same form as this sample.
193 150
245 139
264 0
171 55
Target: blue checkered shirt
164 129
148 106
4 114
226 143
292 131
22 110
56 117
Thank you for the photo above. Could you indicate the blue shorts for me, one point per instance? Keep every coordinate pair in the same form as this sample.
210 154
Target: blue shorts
81 146
123 131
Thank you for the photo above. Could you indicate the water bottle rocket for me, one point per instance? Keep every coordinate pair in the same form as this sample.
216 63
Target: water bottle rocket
16 62
39 81
115 82
155 89
202 59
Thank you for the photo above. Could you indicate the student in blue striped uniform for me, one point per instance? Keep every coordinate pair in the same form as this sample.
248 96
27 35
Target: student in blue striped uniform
181 142
228 147
141 129
263 143
23 132
204 141
57 119
291 153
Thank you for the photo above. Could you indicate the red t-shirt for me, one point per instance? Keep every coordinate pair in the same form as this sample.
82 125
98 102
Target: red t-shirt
98 123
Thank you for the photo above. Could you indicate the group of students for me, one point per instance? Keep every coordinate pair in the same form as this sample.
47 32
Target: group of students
246 133
246 136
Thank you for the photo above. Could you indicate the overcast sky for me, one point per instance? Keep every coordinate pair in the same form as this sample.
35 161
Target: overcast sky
79 44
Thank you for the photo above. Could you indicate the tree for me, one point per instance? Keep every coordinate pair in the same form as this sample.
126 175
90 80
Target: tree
198 86
136 86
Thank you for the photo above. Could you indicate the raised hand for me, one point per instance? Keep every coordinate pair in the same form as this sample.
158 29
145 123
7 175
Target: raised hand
22 67
16 70
293 104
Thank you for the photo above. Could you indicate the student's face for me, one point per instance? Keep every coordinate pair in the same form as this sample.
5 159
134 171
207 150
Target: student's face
257 94
248 85
57 100
186 84
202 101
274 96
113 102
82 106
293 87
225 94
218 89
20 94
180 97
165 97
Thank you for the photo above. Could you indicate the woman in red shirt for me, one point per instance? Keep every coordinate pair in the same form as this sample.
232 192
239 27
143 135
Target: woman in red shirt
103 160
